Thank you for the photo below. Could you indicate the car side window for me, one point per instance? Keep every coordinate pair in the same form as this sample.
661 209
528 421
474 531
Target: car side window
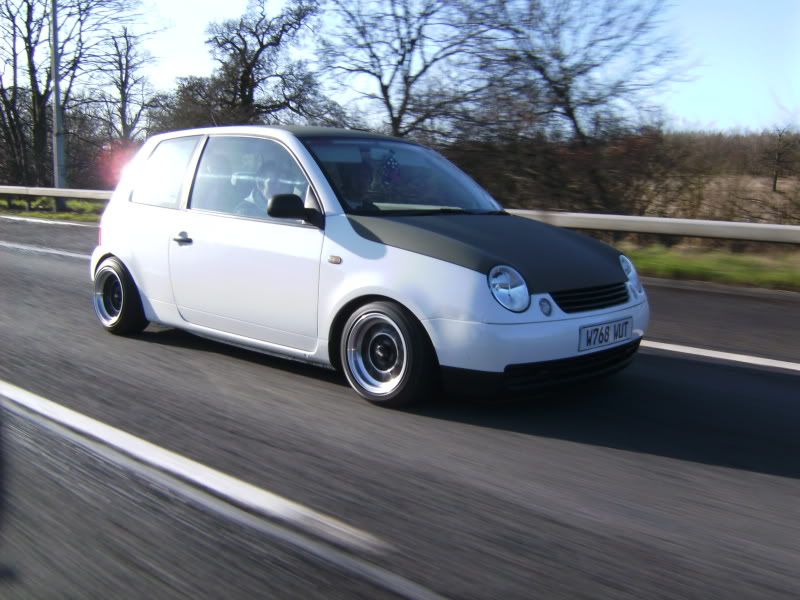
161 177
238 176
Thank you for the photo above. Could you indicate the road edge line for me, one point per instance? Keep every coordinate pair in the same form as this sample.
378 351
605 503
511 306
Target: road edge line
728 356
48 221
43 250
203 499
215 482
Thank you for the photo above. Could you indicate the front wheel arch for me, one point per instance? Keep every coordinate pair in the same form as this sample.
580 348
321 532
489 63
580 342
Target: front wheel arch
386 354
337 325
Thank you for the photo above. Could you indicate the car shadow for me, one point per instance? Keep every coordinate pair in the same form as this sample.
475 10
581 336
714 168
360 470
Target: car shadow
677 407
673 406
178 338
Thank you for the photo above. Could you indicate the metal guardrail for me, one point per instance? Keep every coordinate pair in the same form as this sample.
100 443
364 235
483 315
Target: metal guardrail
728 230
55 192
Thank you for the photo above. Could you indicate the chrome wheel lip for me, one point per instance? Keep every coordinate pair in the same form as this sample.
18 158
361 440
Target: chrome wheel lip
371 332
108 296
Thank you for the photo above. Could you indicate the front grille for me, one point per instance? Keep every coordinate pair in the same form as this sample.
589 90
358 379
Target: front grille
592 298
532 376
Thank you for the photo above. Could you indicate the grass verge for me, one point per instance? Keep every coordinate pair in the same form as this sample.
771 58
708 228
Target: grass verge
81 217
42 208
777 270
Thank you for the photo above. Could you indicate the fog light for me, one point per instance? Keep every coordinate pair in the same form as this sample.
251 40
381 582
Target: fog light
545 307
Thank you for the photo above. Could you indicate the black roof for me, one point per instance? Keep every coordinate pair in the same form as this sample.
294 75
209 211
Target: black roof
306 132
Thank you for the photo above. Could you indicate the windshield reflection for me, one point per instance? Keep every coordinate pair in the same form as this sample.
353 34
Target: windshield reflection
373 177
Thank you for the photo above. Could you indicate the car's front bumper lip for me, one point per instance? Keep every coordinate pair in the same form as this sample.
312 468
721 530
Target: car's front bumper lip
531 377
491 347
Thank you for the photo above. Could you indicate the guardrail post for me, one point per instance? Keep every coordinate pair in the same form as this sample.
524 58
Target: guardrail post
59 168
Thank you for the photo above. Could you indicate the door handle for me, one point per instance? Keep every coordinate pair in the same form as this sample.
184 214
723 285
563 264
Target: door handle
182 238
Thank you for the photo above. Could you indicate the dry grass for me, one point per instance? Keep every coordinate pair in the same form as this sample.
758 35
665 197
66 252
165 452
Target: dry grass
736 198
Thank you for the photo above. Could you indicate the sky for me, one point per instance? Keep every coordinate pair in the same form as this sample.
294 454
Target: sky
178 42
743 60
740 58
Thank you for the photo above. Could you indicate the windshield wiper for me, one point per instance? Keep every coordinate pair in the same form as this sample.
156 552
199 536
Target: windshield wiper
450 210
421 212
465 211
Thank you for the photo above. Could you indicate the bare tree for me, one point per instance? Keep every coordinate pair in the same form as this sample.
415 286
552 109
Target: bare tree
26 81
24 88
412 55
586 62
195 102
108 117
781 154
124 108
590 59
255 78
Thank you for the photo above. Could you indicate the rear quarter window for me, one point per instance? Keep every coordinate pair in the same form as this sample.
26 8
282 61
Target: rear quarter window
160 178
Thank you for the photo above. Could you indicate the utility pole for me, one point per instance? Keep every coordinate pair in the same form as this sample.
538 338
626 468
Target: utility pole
59 168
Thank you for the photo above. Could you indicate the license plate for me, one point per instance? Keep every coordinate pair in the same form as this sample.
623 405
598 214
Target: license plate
604 334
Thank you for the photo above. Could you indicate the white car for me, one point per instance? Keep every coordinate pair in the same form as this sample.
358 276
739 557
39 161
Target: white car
360 252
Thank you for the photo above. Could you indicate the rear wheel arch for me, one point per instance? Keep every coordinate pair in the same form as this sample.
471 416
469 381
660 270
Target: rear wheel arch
116 298
101 259
337 325
124 265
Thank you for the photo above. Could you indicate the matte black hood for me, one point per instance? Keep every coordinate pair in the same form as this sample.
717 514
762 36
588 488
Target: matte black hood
549 258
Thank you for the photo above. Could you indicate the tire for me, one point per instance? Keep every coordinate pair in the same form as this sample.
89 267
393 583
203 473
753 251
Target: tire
116 299
386 355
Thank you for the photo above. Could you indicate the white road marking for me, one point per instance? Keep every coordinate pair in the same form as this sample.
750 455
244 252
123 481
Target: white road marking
219 484
740 358
48 221
43 250
378 576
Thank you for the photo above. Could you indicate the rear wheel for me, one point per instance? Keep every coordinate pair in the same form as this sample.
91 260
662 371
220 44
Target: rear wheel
116 299
386 355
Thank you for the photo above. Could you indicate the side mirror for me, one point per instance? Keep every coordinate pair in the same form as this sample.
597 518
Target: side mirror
286 206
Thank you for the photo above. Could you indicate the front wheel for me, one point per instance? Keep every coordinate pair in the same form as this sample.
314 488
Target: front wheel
116 299
386 355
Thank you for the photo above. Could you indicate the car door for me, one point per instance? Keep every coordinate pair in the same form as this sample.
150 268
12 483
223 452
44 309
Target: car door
158 185
232 267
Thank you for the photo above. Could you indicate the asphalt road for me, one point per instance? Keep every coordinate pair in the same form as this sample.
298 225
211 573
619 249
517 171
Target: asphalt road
677 478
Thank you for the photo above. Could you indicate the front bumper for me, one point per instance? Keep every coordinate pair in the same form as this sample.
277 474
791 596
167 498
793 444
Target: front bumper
492 347
530 354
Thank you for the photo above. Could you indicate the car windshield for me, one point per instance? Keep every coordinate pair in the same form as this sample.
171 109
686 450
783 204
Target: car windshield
374 177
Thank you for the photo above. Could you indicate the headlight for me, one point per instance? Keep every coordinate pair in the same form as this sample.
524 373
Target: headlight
509 288
630 273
